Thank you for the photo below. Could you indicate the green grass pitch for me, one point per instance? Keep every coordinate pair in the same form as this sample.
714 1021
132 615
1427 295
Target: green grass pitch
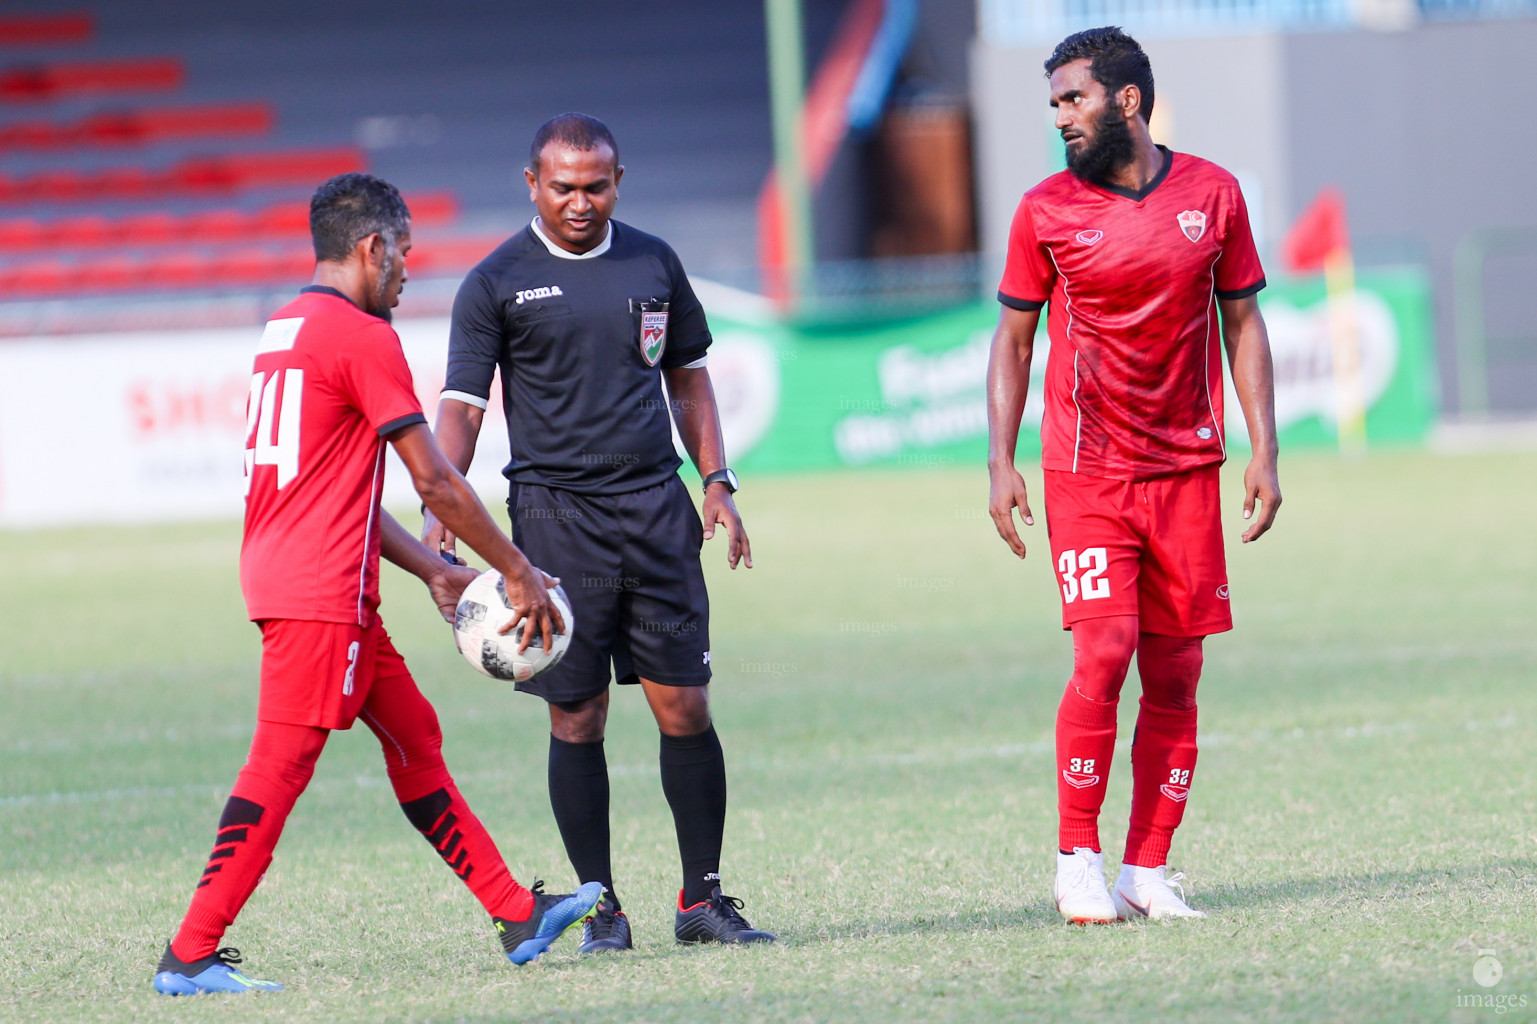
1364 821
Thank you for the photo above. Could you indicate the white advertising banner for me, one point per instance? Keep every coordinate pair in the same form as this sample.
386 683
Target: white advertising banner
149 426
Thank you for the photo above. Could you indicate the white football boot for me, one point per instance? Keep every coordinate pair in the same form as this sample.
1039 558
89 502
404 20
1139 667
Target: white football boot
1080 887
1145 892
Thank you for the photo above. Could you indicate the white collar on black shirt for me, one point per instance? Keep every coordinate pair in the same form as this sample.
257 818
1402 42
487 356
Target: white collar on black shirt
555 250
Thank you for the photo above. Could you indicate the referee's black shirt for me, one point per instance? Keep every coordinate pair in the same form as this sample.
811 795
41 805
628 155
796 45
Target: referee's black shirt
585 412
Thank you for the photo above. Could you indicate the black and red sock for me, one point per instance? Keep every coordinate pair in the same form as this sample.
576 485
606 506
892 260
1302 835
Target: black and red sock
694 782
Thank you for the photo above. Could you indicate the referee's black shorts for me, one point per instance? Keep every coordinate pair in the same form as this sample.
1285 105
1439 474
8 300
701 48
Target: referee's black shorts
629 564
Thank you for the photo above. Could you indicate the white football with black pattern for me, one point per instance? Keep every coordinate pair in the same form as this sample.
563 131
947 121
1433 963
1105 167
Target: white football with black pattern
483 610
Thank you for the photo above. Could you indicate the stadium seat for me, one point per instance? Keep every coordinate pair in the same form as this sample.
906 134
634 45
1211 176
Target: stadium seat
216 174
84 233
139 127
223 225
44 82
46 29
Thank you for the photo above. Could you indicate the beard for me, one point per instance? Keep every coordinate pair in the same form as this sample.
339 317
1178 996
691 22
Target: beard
1111 148
380 306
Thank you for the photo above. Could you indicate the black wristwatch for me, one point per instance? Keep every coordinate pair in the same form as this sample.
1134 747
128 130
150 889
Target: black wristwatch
721 476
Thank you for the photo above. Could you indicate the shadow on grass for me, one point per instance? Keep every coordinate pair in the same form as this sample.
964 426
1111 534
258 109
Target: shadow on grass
1376 884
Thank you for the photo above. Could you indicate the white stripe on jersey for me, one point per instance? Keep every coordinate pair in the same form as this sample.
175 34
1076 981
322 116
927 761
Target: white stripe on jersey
1067 336
368 532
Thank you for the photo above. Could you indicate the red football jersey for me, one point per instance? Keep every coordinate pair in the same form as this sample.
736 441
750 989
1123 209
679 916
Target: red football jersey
1134 379
330 381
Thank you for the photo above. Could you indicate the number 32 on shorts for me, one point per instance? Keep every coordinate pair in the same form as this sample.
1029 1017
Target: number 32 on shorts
1083 574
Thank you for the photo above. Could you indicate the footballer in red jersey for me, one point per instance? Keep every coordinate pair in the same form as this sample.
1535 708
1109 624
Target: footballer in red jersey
329 388
1146 260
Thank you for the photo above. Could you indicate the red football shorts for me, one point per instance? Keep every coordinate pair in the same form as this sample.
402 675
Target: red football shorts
319 673
1149 548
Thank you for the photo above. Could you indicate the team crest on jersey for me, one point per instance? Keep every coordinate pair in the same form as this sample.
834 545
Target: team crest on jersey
1090 237
1179 794
653 335
1193 224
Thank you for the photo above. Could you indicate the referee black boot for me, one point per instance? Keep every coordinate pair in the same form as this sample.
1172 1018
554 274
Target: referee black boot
606 930
715 919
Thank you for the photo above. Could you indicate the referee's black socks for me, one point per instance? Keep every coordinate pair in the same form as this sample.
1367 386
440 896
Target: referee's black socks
579 798
694 781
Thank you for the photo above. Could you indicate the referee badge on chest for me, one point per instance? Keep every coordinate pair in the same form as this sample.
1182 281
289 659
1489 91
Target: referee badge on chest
653 328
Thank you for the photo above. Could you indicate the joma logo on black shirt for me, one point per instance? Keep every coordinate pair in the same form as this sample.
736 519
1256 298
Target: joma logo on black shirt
539 293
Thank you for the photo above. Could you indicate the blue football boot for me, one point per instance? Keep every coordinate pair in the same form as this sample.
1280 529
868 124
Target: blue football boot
216 973
553 916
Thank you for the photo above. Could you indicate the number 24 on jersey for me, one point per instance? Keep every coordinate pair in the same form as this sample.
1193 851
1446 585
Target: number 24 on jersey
271 427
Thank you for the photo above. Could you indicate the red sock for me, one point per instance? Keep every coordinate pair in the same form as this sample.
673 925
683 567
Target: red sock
1102 650
1085 744
279 766
1163 750
407 728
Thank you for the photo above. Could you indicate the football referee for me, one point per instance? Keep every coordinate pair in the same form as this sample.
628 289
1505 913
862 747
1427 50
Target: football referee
585 317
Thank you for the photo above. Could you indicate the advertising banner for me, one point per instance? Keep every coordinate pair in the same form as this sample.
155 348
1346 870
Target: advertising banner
913 393
150 426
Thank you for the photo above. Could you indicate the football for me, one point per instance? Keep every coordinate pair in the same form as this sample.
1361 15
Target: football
483 610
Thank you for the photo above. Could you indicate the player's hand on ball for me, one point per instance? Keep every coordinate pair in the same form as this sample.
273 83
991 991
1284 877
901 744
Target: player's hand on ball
719 507
447 585
438 538
529 594
1261 483
1007 494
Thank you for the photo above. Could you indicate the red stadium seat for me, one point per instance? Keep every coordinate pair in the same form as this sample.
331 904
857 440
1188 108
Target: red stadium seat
45 29
219 174
51 81
46 277
449 255
139 127
219 226
151 229
286 168
180 270
433 208
281 221
21 235
84 233
113 274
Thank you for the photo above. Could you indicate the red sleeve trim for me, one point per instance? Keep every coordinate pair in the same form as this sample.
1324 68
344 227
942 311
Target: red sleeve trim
401 422
1241 293
1023 305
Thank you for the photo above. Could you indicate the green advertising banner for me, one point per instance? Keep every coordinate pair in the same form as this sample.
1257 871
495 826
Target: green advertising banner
912 393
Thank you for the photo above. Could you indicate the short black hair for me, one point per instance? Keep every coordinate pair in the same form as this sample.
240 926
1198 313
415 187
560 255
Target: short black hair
1115 60
574 131
350 207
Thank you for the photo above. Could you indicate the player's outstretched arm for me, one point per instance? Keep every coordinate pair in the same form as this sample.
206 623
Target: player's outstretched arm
457 430
692 397
1248 354
1008 379
449 497
445 580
